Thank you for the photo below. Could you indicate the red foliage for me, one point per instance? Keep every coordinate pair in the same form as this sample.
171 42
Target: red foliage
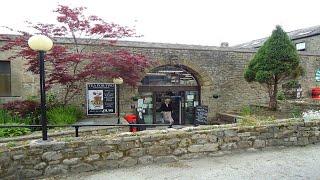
64 60
22 108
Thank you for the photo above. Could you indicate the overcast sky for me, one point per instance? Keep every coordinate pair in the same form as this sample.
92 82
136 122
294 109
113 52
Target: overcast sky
201 22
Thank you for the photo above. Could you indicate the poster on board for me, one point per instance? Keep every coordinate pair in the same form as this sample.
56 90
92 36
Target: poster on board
101 98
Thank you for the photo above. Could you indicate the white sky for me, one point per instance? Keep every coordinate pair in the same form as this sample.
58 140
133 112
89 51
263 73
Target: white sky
202 22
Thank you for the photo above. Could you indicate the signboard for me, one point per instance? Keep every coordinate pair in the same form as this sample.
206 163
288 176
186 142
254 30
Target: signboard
201 115
318 75
101 98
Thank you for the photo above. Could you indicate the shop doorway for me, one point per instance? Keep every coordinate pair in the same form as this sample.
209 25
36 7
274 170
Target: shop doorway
172 82
176 101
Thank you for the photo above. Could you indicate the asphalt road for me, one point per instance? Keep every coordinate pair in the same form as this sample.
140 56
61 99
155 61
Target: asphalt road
288 163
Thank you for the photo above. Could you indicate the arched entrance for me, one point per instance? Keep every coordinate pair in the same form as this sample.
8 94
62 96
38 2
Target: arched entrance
173 81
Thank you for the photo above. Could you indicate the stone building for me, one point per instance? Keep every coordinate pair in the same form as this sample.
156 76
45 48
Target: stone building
307 39
191 75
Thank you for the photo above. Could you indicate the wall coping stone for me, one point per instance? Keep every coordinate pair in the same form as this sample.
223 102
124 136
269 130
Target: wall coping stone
60 133
141 44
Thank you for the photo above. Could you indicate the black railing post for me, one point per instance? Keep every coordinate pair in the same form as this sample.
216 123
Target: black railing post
77 130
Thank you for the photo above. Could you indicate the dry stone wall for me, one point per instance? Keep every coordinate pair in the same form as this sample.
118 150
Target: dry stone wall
129 149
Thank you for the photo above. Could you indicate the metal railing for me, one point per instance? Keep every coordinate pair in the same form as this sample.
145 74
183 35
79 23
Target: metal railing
77 126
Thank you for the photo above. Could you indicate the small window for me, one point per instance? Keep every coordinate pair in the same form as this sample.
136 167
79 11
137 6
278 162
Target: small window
301 46
318 75
5 78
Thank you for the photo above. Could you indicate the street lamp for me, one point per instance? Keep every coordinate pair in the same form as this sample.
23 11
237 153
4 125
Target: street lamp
118 81
42 44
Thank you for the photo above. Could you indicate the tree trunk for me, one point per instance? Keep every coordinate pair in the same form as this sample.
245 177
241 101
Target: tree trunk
65 99
273 104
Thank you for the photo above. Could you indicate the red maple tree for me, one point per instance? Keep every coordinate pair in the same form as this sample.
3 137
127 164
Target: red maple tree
70 63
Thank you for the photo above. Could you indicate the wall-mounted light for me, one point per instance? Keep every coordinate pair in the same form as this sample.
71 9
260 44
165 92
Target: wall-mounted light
215 96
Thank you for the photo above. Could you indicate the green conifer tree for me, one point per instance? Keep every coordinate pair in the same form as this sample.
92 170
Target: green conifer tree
276 61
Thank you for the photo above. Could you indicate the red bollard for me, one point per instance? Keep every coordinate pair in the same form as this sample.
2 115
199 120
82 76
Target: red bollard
131 119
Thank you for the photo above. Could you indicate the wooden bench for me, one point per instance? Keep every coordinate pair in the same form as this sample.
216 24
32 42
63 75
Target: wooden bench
227 118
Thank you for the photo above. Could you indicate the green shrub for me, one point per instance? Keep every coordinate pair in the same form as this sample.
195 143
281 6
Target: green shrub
64 115
246 111
291 84
11 132
28 111
5 117
281 96
296 112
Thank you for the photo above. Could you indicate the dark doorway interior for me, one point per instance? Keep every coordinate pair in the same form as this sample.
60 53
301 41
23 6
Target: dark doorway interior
176 100
176 83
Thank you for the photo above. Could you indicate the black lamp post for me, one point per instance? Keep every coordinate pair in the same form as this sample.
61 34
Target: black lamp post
42 44
118 81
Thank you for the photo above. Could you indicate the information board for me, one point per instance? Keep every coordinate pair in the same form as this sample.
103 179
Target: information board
201 115
101 98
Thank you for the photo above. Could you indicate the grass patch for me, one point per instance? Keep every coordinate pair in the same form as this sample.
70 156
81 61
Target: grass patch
256 120
5 117
246 111
64 115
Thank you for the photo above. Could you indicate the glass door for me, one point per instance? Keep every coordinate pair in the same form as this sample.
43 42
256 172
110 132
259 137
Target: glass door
146 103
175 103
176 109
191 101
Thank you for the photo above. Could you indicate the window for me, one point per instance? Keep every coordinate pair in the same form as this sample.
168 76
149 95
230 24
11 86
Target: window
318 75
5 78
301 46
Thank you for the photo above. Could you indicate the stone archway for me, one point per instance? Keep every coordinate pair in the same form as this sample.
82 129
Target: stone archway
203 78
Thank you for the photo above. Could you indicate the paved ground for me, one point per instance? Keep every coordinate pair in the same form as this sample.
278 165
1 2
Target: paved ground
288 163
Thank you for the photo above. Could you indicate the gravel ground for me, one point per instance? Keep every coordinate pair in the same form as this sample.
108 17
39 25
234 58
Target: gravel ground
288 163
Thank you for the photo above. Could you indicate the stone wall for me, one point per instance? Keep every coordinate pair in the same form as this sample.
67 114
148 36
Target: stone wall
33 159
299 106
312 43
